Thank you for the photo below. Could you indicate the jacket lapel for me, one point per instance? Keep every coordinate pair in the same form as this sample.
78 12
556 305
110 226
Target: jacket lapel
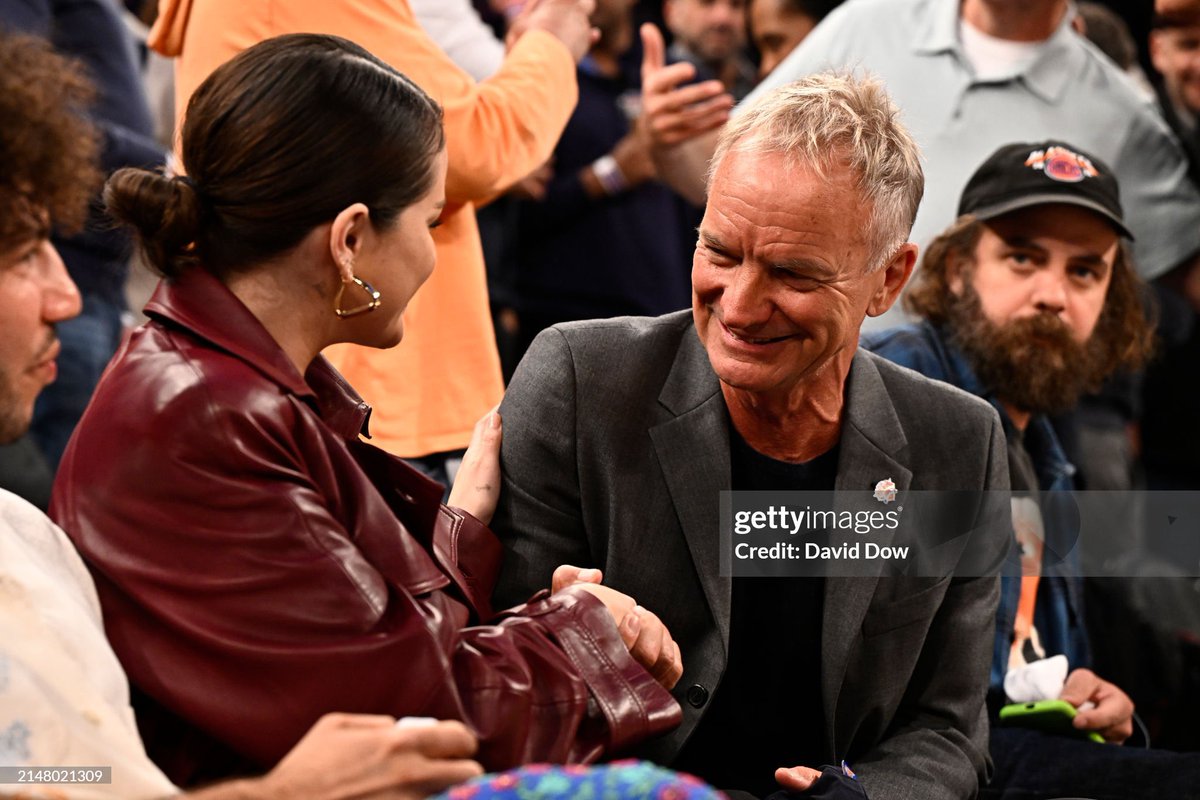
693 452
873 447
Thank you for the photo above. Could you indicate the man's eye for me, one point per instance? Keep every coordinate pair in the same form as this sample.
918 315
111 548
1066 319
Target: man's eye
796 279
716 256
26 260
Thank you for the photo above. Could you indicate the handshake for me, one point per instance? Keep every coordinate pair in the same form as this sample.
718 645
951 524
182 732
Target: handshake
645 635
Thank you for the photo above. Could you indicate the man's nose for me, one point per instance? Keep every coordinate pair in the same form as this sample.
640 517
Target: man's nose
746 302
1050 291
60 296
723 15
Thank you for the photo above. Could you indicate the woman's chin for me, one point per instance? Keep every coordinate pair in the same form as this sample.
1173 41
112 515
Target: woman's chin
391 338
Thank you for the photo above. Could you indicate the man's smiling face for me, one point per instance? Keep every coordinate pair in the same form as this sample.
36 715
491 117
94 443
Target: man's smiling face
780 280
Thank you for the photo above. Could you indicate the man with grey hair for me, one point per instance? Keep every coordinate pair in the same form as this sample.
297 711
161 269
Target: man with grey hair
621 434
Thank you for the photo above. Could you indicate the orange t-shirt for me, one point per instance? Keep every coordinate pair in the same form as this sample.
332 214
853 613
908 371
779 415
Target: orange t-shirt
429 391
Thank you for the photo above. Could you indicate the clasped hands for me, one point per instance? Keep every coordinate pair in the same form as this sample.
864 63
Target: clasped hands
645 635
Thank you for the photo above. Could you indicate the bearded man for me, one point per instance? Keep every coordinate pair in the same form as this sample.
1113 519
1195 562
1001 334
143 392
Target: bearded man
1029 300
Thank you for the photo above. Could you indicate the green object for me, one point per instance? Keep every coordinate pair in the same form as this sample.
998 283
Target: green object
1050 716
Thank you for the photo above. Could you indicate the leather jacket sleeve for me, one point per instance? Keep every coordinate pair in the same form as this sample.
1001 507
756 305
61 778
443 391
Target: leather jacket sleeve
254 576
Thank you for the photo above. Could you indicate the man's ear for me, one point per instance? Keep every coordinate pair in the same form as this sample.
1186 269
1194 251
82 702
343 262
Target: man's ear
895 275
668 12
956 271
1156 50
346 238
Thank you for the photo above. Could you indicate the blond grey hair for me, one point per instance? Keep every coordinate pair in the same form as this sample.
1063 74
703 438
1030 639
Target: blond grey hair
830 120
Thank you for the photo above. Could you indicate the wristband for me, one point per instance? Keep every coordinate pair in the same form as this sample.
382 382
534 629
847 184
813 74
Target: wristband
609 174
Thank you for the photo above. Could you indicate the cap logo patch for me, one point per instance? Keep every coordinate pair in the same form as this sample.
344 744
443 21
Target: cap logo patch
1061 164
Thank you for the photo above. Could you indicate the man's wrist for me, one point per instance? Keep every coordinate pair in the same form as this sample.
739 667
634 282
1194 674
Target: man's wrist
609 175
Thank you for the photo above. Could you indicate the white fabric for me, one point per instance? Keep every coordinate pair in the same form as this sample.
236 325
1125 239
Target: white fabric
993 58
1037 680
64 699
461 34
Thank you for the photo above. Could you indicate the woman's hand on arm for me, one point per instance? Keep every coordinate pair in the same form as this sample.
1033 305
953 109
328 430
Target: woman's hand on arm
477 484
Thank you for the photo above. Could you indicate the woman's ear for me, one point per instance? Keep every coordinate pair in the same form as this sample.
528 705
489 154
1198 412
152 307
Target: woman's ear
346 238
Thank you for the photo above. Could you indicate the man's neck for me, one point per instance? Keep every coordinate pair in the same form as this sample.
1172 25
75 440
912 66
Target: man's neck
797 426
1019 417
726 72
606 61
1015 20
1186 117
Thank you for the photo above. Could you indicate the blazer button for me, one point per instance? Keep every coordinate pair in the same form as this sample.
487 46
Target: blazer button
696 695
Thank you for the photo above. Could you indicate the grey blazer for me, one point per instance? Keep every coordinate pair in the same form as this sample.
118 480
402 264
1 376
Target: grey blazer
616 447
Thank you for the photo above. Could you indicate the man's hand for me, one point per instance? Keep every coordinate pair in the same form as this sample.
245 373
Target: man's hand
645 635
632 155
366 756
533 186
477 484
567 575
676 114
1112 716
566 20
797 779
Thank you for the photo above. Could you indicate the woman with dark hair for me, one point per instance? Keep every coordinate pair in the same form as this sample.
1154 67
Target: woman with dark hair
258 564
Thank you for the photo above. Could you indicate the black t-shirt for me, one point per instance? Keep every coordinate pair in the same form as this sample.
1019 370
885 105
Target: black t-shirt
767 711
1022 475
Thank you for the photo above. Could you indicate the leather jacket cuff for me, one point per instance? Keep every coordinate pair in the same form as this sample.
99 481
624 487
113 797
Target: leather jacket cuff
633 704
470 554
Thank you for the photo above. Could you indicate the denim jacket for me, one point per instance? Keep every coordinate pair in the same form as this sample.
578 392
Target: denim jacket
1059 612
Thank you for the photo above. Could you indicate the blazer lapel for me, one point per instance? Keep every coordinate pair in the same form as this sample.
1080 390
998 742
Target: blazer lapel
693 452
873 447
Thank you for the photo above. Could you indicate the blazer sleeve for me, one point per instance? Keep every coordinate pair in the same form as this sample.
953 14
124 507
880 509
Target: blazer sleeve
240 600
539 518
938 746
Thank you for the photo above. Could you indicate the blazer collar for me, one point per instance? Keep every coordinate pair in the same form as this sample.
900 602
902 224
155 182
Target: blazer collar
693 452
873 447
198 302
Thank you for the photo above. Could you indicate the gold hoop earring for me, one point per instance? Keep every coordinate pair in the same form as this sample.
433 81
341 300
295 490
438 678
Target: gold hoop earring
373 303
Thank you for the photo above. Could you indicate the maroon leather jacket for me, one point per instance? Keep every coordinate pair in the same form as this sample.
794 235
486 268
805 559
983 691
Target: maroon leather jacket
259 565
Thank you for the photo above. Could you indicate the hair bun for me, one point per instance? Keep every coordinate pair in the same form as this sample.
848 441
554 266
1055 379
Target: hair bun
165 213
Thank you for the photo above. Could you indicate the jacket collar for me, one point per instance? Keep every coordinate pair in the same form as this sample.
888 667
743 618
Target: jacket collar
198 302
1047 77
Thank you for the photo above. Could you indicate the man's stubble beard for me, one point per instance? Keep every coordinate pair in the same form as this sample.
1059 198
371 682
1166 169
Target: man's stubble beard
13 420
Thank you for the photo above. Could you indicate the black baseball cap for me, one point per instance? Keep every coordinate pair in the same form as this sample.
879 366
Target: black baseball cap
1032 174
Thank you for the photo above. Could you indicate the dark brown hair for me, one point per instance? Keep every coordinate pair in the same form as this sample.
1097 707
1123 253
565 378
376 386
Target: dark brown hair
1124 332
275 142
48 149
